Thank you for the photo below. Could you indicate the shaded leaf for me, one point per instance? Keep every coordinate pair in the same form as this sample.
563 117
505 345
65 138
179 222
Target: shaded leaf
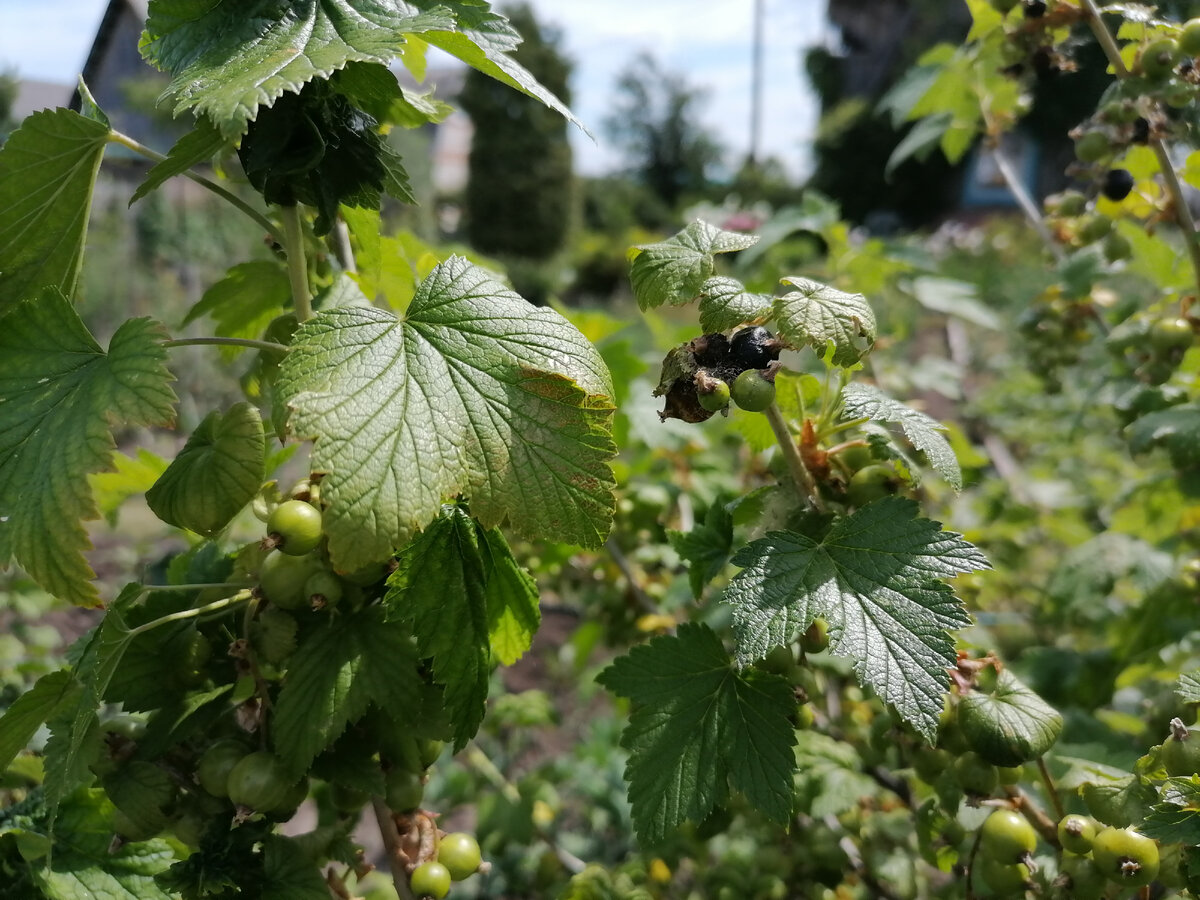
218 471
706 547
48 169
243 303
62 396
440 588
1009 725
697 725
51 695
335 674
198 146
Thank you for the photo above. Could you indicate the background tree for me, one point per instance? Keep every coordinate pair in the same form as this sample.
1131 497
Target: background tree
655 123
518 201
8 96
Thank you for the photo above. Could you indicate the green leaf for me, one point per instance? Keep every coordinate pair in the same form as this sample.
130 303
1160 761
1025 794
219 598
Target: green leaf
706 547
318 149
1121 803
875 576
198 146
129 477
49 697
816 314
63 395
48 169
88 107
229 57
440 589
1176 820
244 302
475 392
919 142
218 471
84 865
697 724
1009 725
1177 429
289 872
335 674
374 89
512 603
868 401
484 41
674 271
954 298
1188 689
72 743
725 302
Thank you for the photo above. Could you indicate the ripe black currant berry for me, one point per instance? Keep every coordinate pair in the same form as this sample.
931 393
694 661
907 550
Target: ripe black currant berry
751 348
1117 184
710 349
1035 9
1141 130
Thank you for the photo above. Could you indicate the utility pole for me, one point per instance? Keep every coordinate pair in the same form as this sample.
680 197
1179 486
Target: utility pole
756 85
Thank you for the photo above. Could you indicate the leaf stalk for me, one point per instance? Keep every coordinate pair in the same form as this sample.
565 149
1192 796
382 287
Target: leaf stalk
791 454
269 346
115 137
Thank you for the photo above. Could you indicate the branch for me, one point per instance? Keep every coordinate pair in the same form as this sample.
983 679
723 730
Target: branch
115 137
297 266
1028 207
391 845
791 454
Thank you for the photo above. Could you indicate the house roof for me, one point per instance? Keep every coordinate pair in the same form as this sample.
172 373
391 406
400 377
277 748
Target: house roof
35 95
108 25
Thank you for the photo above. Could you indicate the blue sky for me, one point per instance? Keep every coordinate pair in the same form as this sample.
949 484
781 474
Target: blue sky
708 41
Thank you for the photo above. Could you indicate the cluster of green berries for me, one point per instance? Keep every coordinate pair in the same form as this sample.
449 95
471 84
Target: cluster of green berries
781 660
1152 345
231 780
458 858
1053 329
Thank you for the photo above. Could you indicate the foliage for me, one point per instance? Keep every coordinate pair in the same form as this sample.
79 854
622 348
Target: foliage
553 571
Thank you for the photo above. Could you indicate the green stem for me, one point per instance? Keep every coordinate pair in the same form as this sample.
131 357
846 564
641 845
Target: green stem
227 342
484 765
115 137
391 845
297 266
791 454
239 597
844 426
1174 188
1049 782
1028 207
